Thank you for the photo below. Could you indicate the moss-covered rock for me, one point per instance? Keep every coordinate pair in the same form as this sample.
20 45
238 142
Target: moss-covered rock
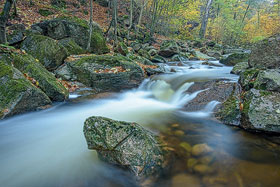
122 48
46 81
268 80
229 112
234 58
261 111
47 50
17 94
247 78
240 68
72 47
266 53
169 48
45 12
127 145
75 28
107 73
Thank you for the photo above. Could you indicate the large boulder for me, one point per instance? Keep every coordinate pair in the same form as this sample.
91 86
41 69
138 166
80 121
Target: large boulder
268 80
240 68
17 94
261 111
46 81
201 56
168 49
127 145
75 28
266 53
234 58
215 90
47 50
72 47
107 73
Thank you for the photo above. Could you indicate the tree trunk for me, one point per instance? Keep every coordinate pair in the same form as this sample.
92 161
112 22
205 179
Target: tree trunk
90 24
130 19
3 20
115 17
205 20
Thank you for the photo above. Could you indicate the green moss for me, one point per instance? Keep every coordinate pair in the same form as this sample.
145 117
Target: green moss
75 19
45 12
5 70
47 82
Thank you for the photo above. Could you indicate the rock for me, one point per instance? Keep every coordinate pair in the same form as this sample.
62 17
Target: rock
268 80
104 3
229 111
152 52
17 94
203 169
201 149
46 81
75 28
158 59
186 146
201 56
240 68
266 53
136 46
234 58
48 51
124 144
59 3
191 163
64 72
247 79
168 49
45 12
261 111
211 64
144 53
230 51
122 48
183 179
17 34
72 47
214 91
215 54
107 73
210 43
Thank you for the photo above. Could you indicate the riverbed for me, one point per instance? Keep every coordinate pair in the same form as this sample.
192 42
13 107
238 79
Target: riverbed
48 148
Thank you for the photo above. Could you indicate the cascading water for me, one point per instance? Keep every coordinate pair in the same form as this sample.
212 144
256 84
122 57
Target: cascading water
47 148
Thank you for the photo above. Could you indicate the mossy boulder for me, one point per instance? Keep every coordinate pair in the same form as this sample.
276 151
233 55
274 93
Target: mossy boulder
17 94
268 80
229 111
234 58
247 78
47 50
261 111
107 73
124 144
201 56
75 28
169 48
122 48
46 81
240 68
266 53
72 47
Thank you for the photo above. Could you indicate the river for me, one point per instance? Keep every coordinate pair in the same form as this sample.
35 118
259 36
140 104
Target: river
47 148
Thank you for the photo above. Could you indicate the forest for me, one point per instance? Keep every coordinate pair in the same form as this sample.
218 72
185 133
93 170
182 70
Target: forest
139 93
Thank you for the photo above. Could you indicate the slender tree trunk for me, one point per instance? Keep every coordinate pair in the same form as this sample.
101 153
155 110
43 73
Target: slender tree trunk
144 4
245 14
15 8
90 24
115 17
205 20
130 19
3 20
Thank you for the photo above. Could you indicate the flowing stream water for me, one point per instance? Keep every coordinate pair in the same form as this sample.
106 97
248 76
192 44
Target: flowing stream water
48 148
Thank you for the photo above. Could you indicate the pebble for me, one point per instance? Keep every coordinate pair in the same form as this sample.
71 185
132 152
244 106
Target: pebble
201 149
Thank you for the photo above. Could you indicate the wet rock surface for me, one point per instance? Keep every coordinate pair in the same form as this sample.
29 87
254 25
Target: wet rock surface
124 144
